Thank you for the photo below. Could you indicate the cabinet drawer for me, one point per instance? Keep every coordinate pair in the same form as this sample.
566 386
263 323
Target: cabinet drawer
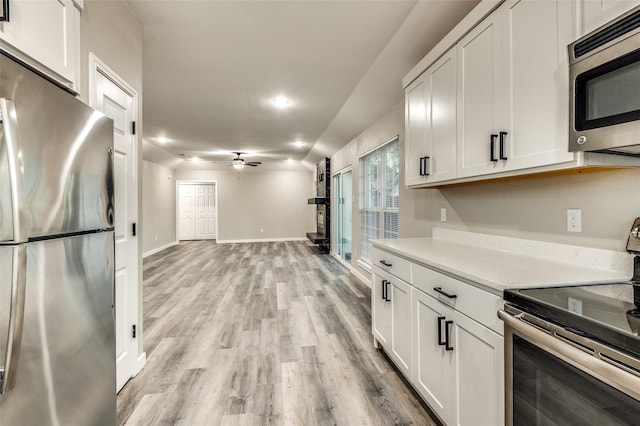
391 263
473 302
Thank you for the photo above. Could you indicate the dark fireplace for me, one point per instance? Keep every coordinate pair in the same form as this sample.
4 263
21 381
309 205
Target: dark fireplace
322 201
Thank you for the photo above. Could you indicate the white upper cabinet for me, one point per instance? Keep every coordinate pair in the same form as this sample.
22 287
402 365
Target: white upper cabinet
511 94
430 145
416 147
595 13
535 82
513 89
46 35
480 107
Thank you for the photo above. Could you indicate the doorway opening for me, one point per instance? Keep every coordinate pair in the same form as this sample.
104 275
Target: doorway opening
197 210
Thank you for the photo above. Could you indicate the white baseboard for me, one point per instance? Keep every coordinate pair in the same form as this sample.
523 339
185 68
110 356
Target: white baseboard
262 240
361 277
353 270
159 249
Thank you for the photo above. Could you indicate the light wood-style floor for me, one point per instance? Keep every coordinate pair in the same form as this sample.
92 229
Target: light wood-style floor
260 334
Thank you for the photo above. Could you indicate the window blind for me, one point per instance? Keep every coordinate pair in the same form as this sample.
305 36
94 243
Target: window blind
379 196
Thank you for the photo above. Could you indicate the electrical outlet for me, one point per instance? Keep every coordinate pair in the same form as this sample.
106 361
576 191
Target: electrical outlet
261 230
443 214
574 220
156 238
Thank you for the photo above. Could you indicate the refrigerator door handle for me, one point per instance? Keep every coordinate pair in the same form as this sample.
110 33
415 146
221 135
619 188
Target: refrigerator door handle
13 149
16 318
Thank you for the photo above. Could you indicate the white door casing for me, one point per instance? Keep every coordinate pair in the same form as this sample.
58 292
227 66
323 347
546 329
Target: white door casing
114 98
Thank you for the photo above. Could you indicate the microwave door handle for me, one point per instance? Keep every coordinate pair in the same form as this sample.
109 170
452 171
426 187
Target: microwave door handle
13 150
18 282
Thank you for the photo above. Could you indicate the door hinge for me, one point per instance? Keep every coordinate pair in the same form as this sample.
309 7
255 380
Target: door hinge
133 331
133 127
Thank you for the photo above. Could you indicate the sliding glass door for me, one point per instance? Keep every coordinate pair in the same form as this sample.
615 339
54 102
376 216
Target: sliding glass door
342 206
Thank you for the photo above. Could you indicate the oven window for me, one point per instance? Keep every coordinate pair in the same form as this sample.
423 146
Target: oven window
549 391
608 94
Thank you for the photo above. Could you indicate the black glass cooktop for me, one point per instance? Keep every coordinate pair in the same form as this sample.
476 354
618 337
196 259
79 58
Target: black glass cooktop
604 312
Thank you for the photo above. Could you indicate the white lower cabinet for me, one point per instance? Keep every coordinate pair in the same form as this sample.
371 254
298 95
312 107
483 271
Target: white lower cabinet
478 376
401 345
433 364
444 336
380 310
458 364
391 318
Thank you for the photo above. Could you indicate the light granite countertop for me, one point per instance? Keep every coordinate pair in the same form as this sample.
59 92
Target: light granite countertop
496 263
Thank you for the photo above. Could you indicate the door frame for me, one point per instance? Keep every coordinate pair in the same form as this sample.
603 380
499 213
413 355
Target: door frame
196 182
96 65
334 213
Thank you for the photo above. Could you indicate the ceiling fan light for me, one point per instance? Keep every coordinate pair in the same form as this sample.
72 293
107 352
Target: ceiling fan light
238 165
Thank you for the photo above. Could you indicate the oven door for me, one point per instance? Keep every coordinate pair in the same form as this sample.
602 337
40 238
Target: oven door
552 377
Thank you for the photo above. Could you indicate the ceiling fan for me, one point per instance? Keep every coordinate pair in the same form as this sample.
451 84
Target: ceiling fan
238 163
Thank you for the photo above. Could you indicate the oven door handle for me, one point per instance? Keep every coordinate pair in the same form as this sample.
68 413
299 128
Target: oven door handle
608 373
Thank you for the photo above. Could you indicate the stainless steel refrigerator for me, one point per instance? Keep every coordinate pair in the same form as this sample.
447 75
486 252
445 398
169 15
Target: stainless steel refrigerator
57 339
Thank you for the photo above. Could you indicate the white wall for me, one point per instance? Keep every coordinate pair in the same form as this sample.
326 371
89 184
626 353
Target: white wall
158 207
533 209
260 205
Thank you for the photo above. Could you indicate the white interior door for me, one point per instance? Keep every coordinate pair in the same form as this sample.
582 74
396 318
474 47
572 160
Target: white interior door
186 220
205 201
119 104
197 211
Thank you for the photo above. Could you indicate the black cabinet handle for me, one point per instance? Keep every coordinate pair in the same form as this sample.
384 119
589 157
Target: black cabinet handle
440 341
444 293
133 229
447 335
385 263
493 147
424 166
384 288
503 136
387 297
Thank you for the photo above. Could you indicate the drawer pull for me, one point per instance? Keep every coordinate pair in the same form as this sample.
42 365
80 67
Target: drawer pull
444 293
385 263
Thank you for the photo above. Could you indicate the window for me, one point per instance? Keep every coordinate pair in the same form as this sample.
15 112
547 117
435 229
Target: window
379 195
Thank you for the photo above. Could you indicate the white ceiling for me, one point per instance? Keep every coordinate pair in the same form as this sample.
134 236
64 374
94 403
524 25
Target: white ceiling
212 68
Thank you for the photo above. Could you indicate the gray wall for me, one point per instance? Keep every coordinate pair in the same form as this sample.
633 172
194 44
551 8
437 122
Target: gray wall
533 209
158 207
274 201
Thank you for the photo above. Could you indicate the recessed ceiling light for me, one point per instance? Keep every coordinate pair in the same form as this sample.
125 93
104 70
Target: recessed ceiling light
281 102
163 139
290 160
299 144
195 159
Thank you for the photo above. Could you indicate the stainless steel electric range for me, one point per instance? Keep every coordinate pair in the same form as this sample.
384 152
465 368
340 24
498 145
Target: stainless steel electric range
572 353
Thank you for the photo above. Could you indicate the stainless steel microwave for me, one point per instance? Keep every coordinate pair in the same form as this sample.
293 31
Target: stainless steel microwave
604 70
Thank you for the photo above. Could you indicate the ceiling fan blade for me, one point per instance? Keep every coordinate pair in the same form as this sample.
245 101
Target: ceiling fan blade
253 163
